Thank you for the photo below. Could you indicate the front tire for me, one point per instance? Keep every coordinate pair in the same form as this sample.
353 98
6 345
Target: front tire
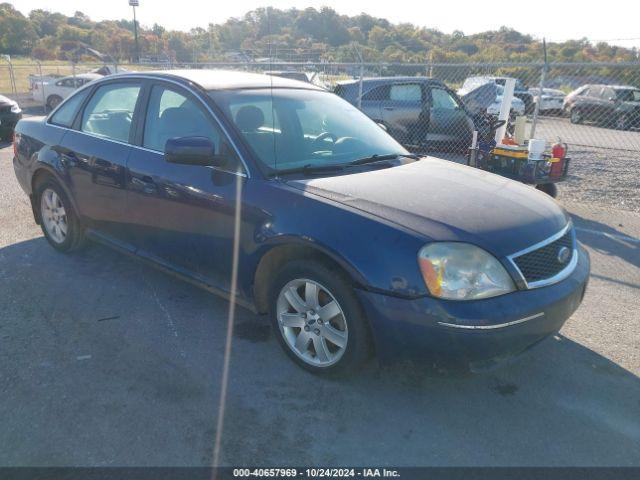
318 319
576 116
549 188
622 122
58 220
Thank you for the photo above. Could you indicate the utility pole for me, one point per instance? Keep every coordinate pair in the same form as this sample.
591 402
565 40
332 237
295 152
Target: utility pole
134 4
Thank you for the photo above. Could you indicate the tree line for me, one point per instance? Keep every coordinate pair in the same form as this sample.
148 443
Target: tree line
286 35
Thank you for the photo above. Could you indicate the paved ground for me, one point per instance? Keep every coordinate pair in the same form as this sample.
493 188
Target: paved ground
550 128
104 361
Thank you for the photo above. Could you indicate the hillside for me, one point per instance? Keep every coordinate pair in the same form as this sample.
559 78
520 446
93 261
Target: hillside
288 35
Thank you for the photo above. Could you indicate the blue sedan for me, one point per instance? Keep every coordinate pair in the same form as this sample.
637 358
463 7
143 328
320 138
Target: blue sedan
287 200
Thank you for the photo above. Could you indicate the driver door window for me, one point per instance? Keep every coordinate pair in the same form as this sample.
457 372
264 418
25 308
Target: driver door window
442 100
171 114
110 111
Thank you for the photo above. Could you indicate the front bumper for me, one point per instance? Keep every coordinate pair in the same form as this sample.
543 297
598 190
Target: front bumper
472 331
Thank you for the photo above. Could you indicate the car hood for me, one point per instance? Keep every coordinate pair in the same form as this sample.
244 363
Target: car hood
445 201
6 101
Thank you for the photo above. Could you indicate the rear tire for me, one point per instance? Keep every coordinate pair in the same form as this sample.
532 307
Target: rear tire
53 101
58 220
548 188
322 328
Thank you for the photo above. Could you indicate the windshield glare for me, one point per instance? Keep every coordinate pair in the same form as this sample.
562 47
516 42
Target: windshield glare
294 128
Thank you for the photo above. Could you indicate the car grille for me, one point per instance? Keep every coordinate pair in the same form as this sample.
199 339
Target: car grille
543 263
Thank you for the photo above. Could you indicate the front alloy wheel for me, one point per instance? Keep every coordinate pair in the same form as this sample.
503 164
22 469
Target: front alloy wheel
312 322
576 116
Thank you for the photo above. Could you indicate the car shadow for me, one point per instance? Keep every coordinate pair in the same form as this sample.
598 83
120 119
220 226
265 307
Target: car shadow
97 342
606 239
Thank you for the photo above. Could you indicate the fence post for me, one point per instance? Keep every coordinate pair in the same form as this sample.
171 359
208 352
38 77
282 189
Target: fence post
360 85
12 79
543 76
44 100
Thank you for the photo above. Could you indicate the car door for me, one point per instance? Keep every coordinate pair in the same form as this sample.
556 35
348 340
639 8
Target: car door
182 215
591 105
404 113
95 153
372 101
449 122
608 106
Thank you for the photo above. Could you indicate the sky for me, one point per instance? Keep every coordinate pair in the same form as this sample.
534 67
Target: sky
618 22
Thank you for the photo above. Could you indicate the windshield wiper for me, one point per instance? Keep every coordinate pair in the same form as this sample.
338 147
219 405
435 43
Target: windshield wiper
309 169
379 158
336 167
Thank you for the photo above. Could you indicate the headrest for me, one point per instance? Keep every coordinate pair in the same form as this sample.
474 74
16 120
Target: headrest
249 118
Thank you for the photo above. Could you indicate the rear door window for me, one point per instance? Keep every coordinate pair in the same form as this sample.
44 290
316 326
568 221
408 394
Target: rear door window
406 93
377 94
109 113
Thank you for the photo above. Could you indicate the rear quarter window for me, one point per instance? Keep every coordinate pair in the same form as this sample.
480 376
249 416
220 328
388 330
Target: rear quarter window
67 112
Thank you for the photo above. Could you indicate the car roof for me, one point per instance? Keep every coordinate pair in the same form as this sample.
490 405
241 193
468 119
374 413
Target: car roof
225 79
378 81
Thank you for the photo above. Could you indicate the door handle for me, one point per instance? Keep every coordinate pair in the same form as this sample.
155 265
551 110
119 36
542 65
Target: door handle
146 184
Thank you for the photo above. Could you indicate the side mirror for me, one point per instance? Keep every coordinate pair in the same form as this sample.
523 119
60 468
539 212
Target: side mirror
192 151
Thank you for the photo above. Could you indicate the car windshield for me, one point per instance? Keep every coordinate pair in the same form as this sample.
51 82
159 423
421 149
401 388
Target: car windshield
628 95
291 128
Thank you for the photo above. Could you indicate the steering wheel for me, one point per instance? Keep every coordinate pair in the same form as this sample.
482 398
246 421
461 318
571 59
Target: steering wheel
323 136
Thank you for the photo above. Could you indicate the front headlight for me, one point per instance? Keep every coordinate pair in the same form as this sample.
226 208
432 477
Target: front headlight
15 108
461 271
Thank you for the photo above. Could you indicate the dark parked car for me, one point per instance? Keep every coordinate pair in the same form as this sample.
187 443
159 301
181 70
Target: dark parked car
416 111
10 113
349 243
606 105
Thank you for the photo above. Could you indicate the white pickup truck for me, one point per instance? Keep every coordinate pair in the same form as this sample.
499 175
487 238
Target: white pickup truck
52 92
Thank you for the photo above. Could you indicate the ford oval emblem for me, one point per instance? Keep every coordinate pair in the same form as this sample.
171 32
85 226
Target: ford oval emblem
563 255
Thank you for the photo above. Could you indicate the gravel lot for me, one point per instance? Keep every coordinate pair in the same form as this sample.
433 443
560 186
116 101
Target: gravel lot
105 362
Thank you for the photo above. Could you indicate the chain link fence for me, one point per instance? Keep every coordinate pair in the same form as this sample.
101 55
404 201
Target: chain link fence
593 105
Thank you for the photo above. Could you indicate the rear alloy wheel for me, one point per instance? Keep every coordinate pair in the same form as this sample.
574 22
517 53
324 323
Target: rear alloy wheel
576 116
318 320
54 216
59 223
